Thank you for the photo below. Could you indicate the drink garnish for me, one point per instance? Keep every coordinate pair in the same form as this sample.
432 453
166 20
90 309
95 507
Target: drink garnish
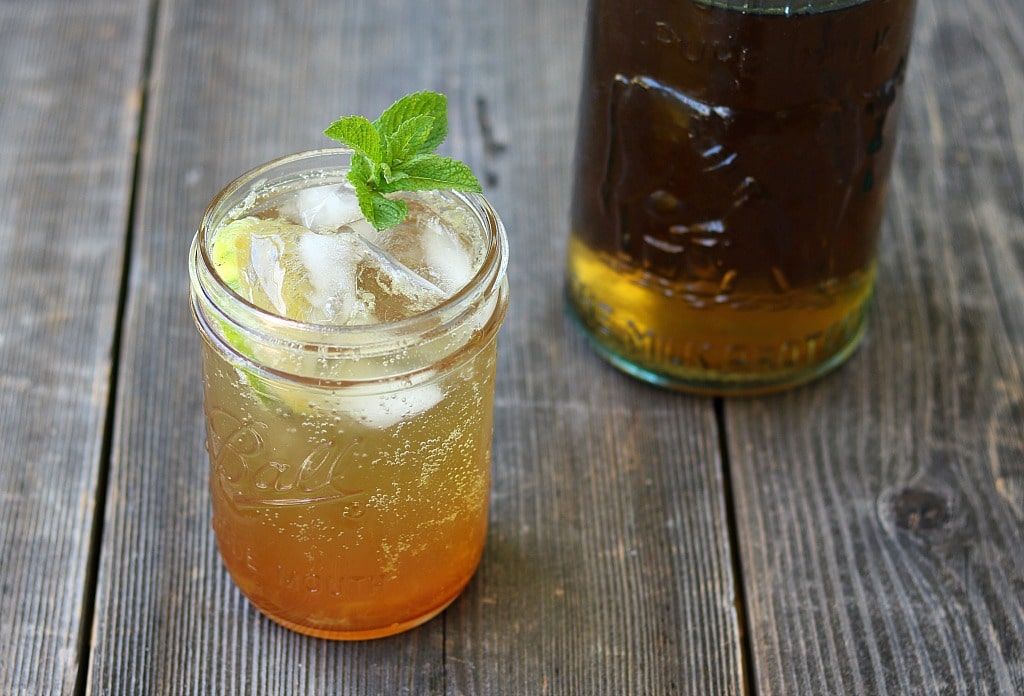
396 153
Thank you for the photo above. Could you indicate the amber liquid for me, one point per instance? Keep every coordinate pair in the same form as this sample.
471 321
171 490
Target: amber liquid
346 526
731 173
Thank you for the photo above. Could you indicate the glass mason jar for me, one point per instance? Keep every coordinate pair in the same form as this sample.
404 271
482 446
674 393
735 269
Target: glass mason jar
349 465
731 170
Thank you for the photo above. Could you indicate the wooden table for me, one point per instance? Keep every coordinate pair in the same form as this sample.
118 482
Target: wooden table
863 535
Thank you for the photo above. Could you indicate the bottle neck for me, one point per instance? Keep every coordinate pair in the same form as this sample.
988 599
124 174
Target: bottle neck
781 7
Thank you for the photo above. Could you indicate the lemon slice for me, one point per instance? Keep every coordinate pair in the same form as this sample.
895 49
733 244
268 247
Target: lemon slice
230 250
230 253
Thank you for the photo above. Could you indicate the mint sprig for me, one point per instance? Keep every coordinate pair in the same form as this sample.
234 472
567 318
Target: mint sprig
396 153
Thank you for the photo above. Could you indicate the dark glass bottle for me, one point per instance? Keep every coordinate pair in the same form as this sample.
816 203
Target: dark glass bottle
731 170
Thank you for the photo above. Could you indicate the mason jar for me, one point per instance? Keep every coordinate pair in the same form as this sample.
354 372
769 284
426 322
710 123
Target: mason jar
349 464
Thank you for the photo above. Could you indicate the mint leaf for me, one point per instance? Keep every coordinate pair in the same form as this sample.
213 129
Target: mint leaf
382 212
419 104
396 153
431 172
357 133
360 172
410 138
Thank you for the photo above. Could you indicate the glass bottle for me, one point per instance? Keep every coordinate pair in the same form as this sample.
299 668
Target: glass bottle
731 170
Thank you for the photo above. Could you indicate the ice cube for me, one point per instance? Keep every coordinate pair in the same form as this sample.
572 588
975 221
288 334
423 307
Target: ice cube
403 244
426 244
364 229
342 276
450 264
328 207
399 291
267 270
385 411
329 262
350 280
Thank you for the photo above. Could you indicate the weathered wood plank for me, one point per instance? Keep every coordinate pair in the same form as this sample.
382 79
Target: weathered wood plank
881 511
607 568
229 89
68 120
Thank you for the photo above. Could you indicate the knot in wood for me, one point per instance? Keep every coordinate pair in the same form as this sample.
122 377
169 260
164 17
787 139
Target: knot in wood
917 509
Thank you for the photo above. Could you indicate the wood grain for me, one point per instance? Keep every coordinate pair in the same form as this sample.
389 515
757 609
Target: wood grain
607 569
228 91
881 511
68 123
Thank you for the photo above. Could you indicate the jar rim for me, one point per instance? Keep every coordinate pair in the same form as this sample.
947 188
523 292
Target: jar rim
245 314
